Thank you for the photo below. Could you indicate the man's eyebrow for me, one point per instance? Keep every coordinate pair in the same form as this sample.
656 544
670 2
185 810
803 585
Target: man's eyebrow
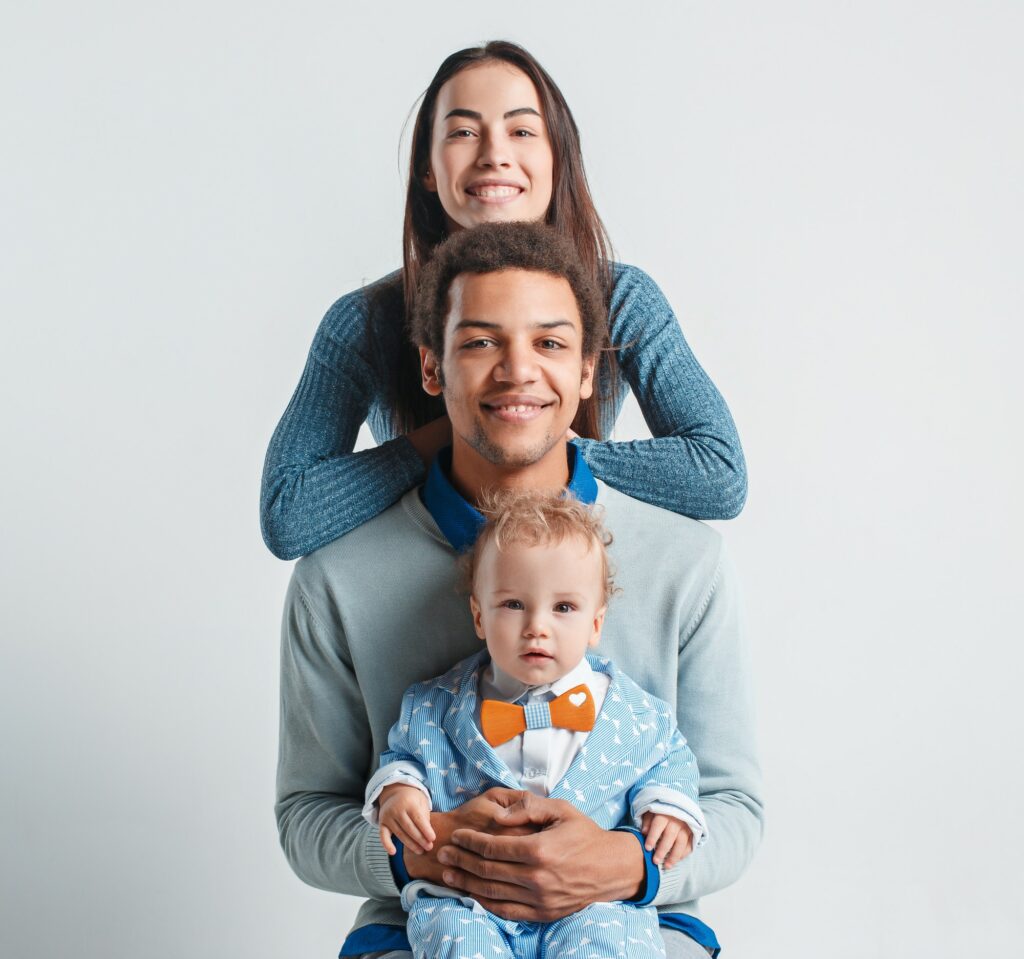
474 115
485 325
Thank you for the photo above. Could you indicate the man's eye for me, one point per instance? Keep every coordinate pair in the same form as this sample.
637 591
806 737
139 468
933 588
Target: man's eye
478 344
564 607
550 345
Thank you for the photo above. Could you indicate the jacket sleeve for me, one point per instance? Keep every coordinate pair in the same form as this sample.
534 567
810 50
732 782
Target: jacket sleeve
715 706
694 464
670 786
315 488
324 761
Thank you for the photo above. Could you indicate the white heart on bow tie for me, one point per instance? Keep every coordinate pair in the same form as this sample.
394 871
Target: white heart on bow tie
577 699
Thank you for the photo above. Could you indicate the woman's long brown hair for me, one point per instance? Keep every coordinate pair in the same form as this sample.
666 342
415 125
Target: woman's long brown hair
571 212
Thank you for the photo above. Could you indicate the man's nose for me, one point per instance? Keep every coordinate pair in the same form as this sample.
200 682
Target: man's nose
517 365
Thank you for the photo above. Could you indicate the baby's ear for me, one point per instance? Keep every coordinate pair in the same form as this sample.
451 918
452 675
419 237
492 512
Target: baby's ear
477 621
598 625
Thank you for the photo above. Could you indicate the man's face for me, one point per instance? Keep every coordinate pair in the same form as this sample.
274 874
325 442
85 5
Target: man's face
513 373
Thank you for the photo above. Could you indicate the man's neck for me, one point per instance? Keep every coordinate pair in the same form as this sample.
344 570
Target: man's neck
471 474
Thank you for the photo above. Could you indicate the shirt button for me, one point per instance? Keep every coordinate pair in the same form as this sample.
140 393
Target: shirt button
531 772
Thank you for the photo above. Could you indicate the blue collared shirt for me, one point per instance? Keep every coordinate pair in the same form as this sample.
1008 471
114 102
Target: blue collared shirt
460 521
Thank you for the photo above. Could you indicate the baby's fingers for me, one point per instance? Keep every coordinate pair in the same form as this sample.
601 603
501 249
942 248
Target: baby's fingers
421 819
654 827
409 832
682 848
385 841
666 841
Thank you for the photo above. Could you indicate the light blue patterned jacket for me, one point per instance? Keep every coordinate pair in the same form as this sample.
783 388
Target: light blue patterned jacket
635 746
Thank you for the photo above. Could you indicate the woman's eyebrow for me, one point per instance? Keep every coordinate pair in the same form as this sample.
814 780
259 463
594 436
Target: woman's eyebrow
474 115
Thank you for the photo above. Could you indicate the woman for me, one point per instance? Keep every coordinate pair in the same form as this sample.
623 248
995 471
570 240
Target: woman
493 140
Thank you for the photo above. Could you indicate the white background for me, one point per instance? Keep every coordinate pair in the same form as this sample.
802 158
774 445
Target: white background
831 196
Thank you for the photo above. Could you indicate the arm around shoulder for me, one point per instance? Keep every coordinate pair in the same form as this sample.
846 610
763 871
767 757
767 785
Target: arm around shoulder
694 463
315 488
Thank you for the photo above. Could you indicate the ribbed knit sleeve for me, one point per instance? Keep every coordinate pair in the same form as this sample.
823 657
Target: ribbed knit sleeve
694 464
315 488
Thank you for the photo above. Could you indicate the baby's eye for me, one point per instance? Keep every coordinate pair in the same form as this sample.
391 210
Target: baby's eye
513 604
564 607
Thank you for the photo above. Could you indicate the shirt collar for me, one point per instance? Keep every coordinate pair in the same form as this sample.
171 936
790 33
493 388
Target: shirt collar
460 522
510 689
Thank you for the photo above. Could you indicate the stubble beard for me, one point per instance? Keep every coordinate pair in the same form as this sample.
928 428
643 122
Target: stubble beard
500 456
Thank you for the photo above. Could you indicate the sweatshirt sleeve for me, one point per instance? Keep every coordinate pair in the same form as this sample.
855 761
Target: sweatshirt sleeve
323 761
315 488
693 464
715 706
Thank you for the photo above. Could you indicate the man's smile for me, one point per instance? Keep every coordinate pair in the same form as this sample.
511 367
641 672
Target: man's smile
515 408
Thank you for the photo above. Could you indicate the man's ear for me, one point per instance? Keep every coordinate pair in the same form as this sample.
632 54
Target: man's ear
598 626
430 370
587 380
478 624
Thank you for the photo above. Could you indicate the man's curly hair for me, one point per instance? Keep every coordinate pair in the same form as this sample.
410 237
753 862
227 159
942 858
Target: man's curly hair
537 518
504 246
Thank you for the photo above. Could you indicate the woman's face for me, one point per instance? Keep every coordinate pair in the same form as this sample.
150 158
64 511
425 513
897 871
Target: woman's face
490 157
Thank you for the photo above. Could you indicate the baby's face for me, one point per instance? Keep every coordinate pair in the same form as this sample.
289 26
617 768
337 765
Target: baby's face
539 607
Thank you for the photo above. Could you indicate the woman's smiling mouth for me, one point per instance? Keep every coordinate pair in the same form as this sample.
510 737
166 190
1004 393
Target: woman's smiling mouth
494 191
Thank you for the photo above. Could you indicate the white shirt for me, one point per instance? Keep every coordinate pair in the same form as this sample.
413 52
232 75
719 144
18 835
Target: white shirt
539 758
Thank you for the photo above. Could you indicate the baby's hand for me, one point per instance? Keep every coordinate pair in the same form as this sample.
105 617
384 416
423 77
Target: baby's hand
673 838
405 812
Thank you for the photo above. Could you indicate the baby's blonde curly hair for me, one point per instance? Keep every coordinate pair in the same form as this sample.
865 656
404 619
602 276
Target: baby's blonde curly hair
535 518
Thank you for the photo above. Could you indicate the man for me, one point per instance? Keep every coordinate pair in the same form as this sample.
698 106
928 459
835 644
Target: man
509 326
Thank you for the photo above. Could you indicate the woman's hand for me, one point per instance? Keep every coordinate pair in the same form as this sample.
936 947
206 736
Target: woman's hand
427 440
564 863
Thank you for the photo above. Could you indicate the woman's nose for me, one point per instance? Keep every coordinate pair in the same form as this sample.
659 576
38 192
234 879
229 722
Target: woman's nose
494 152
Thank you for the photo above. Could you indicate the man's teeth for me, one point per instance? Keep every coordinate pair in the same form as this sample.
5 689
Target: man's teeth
495 191
515 409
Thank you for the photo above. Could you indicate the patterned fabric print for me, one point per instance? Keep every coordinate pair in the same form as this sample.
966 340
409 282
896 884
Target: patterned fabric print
451 928
633 746
537 715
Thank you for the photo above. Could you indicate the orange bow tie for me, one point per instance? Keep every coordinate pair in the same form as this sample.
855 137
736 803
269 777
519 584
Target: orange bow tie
501 722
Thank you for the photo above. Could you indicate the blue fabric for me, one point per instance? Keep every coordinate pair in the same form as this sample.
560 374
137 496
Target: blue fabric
652 875
537 715
634 744
315 488
460 522
698 931
375 937
451 928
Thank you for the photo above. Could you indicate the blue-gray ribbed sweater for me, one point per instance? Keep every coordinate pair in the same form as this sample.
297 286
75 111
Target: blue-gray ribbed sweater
315 488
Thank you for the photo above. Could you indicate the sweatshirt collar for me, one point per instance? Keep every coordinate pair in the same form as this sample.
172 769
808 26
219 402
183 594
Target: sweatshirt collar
460 522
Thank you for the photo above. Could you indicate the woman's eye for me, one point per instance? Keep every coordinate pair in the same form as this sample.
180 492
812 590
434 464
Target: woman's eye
523 132
461 133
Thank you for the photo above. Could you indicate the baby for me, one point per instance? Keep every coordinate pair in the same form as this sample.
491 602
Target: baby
535 711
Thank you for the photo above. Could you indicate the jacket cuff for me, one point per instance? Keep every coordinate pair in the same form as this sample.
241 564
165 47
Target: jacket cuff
652 874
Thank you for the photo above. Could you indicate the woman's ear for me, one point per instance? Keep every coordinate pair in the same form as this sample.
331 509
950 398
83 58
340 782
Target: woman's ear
478 623
429 182
430 370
